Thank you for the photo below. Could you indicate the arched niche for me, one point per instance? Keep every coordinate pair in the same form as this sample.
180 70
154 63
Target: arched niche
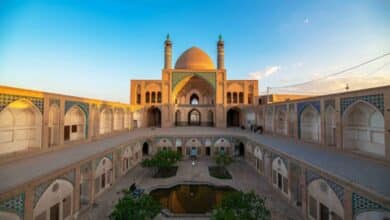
258 153
233 117
103 175
363 128
330 126
20 127
74 124
53 124
154 117
118 119
281 121
323 200
310 124
126 158
280 175
106 119
56 201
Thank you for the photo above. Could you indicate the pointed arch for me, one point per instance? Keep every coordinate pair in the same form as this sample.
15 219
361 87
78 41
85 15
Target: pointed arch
194 117
103 175
74 124
233 117
280 175
118 119
310 124
322 197
106 121
363 128
330 126
57 199
20 127
281 121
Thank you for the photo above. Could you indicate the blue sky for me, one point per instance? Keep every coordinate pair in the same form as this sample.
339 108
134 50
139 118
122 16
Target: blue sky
93 48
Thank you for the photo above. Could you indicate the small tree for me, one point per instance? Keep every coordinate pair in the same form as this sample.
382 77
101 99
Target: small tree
240 205
162 160
223 160
128 207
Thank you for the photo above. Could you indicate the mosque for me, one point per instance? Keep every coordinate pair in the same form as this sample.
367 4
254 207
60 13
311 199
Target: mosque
325 157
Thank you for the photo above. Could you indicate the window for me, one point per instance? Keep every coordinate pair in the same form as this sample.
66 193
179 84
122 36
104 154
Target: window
235 97
229 98
138 98
194 99
250 97
159 97
147 97
312 207
153 97
241 97
260 101
285 185
74 128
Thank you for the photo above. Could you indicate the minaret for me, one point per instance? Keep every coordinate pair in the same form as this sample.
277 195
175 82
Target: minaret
221 53
168 53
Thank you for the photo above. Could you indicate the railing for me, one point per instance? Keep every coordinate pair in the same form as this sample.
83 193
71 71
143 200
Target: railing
201 124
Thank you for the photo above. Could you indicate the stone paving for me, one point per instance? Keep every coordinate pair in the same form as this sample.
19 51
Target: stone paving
244 178
369 174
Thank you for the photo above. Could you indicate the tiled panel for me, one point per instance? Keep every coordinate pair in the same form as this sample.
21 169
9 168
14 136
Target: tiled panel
375 100
330 102
361 204
6 99
14 205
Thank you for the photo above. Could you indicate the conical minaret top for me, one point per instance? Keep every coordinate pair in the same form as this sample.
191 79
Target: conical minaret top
168 53
221 53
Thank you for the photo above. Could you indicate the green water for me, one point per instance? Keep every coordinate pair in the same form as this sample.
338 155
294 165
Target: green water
187 198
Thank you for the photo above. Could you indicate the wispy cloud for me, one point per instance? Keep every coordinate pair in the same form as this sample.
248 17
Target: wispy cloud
268 71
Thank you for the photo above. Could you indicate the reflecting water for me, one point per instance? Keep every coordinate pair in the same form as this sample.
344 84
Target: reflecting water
190 198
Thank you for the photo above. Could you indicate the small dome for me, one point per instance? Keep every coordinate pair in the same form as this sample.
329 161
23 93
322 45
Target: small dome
194 58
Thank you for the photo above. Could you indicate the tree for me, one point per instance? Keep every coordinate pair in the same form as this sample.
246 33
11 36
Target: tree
223 160
240 205
162 160
127 208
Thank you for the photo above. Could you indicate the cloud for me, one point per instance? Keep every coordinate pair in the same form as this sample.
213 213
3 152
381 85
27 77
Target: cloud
264 73
306 21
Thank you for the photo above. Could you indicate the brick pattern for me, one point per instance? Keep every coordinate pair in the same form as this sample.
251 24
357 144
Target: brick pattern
361 204
376 100
6 99
14 205
338 189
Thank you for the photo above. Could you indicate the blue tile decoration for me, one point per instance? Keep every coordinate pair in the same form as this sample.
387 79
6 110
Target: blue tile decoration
338 189
6 99
85 108
70 176
330 102
14 205
361 204
301 106
39 190
376 100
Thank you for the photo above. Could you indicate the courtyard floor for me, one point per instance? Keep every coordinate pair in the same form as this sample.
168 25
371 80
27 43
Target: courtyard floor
245 178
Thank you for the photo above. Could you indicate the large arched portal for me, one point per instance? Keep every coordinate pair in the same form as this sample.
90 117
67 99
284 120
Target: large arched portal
233 117
194 117
194 90
154 117
363 128
310 124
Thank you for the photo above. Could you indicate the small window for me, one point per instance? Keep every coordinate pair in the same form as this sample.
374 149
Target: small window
74 128
194 99
138 98
241 97
153 97
147 97
312 207
229 98
159 97
234 97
